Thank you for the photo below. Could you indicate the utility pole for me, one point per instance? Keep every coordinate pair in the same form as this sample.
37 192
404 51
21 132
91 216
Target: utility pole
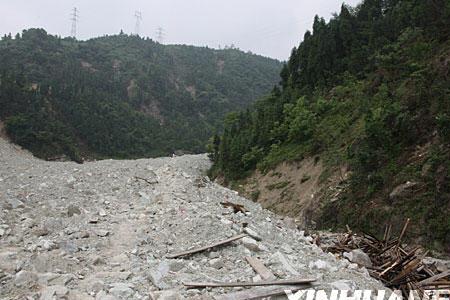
160 34
137 28
74 18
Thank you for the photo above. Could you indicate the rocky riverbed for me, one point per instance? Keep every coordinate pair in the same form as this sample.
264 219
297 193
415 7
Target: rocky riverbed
103 230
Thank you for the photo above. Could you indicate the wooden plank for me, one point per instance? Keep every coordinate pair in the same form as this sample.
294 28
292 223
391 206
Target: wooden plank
403 232
260 268
434 278
437 283
219 243
244 284
258 293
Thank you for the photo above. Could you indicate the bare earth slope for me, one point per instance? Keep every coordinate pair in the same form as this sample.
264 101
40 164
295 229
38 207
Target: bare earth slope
102 230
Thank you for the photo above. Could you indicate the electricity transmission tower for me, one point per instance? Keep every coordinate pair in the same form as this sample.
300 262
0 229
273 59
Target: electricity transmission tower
74 18
138 16
160 34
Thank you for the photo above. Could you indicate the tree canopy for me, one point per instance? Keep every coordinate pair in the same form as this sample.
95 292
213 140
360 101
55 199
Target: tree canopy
121 96
365 90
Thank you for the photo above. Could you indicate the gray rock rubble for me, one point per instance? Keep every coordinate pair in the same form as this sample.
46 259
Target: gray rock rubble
102 231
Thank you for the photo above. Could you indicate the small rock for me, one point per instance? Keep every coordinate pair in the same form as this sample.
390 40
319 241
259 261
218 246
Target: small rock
71 180
98 260
176 265
341 285
73 210
25 279
213 254
8 261
119 260
252 233
319 264
170 295
352 266
47 245
216 263
102 295
84 234
157 274
93 220
13 203
226 222
102 232
250 244
102 212
122 290
69 247
55 290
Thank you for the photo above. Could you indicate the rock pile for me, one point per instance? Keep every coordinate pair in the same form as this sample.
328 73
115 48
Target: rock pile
103 230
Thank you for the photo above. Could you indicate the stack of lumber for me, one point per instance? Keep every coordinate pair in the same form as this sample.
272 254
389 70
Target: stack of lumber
397 265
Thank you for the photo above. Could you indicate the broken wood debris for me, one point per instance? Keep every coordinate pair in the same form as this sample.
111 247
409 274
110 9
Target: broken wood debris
204 248
236 207
397 266
295 281
260 268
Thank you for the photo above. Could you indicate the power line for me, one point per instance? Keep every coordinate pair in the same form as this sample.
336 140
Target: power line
160 34
137 28
74 18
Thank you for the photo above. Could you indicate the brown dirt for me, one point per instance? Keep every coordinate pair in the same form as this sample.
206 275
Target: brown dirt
295 189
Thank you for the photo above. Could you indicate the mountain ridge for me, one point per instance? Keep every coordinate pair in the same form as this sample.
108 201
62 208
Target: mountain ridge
122 96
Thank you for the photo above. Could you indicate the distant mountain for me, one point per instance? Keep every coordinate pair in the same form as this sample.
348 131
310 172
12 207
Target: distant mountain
121 96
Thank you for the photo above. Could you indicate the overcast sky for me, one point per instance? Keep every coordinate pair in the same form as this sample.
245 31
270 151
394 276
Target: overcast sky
267 27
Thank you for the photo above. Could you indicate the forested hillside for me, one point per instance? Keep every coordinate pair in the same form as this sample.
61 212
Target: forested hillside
121 96
369 91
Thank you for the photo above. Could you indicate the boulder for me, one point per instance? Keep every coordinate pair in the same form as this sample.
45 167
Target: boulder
359 257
